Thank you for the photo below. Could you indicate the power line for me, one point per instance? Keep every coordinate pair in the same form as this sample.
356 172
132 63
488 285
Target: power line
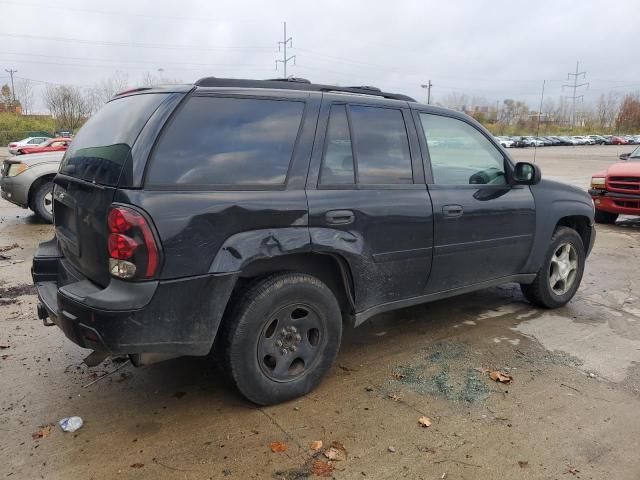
575 87
285 60
128 44
119 14
13 90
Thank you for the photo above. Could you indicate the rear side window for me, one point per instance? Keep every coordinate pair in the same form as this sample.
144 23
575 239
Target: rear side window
337 165
103 145
381 145
227 141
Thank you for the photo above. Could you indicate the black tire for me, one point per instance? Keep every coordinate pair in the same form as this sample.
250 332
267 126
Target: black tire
541 292
605 217
42 201
296 310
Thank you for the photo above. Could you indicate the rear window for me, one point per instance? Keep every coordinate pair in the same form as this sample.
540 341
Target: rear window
103 145
227 141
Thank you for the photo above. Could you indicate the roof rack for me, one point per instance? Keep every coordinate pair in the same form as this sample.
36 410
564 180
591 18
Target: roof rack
293 83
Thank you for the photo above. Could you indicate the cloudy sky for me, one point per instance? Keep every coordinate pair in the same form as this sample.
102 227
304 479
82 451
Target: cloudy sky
487 49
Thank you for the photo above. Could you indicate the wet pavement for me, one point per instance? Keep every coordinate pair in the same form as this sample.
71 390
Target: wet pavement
571 409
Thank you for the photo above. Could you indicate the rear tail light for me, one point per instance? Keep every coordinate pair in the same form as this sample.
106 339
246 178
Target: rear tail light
133 250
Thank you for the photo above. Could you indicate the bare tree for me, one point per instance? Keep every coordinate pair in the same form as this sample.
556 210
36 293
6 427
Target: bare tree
628 119
5 97
151 79
68 105
514 111
106 89
457 101
25 95
607 108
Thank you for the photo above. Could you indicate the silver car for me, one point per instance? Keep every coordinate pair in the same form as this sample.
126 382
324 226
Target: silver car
27 181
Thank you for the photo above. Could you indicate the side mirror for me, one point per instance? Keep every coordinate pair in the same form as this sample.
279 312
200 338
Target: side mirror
525 173
624 156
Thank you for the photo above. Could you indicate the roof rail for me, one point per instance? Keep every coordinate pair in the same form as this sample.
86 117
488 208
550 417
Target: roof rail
289 79
293 83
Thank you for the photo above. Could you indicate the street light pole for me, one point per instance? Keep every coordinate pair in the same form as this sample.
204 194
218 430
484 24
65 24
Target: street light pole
428 87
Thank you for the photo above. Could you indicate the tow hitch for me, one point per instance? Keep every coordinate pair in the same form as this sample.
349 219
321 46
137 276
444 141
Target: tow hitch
44 315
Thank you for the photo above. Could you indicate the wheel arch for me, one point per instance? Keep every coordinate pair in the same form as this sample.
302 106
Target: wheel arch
581 224
332 269
36 184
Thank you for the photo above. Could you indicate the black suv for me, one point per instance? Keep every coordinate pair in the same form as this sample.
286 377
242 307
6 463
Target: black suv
252 219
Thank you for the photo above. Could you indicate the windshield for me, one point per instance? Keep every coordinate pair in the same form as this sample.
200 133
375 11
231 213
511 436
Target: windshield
103 145
635 155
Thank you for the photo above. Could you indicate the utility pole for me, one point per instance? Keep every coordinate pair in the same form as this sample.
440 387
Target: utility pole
575 87
13 90
282 46
428 87
539 115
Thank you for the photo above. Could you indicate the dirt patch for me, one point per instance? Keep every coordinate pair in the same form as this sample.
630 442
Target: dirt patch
9 295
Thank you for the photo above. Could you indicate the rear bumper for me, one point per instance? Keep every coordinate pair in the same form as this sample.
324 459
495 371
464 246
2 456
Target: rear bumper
613 202
178 317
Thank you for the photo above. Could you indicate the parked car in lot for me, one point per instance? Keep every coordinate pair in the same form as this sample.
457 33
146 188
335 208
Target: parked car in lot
506 142
26 142
59 144
260 216
27 181
616 191
618 140
599 140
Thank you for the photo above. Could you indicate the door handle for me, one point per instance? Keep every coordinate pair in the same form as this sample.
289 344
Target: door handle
452 211
340 217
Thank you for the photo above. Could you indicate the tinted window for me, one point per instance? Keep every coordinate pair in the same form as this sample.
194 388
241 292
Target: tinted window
227 141
337 164
381 145
460 154
103 144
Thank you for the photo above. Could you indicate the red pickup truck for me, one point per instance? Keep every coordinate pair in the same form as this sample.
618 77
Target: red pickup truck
616 190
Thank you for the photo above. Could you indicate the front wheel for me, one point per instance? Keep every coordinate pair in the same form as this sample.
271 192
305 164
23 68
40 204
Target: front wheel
605 217
42 202
282 337
561 272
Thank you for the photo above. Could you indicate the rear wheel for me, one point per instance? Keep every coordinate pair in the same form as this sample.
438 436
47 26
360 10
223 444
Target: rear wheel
561 272
282 337
42 203
605 217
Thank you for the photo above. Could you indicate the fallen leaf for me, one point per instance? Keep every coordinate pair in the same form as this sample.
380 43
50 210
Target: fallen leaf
572 471
424 422
398 375
321 468
137 465
278 447
316 445
501 377
43 431
336 452
523 464
394 397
